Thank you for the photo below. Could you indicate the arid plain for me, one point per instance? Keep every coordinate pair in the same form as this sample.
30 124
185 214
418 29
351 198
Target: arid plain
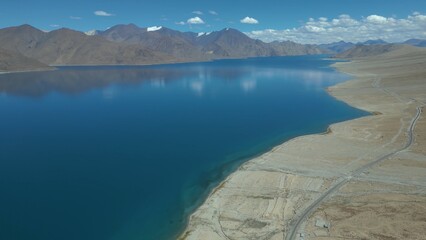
363 179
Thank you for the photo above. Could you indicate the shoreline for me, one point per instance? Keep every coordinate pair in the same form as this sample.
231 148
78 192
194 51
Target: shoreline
271 195
217 185
55 67
185 233
29 71
240 164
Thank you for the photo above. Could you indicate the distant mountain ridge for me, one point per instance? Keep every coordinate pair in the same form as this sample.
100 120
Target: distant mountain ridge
379 51
133 45
342 46
337 47
226 43
361 51
416 42
69 47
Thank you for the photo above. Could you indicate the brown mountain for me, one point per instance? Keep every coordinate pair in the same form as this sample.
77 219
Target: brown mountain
22 39
123 33
233 44
227 43
167 41
291 48
130 44
69 47
14 61
360 51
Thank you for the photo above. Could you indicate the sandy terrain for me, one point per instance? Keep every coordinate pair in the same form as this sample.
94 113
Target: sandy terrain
365 179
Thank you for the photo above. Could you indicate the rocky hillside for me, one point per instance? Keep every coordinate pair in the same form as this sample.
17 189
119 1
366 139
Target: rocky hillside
69 47
14 61
226 43
132 45
361 51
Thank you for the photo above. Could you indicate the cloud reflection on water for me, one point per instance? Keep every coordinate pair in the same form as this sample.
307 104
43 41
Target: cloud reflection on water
248 85
198 78
197 87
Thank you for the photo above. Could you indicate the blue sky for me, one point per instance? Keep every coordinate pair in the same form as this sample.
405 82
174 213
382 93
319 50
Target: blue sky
278 15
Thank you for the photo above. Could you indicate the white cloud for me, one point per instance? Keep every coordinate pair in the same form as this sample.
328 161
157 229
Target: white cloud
213 12
180 23
376 19
249 20
195 20
197 12
103 13
75 18
54 25
346 28
314 29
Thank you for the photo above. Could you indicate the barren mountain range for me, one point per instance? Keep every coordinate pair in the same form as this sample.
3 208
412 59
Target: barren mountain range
132 45
28 48
342 46
360 51
14 61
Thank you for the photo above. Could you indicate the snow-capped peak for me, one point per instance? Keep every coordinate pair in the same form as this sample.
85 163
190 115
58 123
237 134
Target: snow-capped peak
92 32
154 28
203 34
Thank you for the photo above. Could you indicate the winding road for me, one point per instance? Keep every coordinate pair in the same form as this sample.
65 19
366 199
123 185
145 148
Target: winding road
294 225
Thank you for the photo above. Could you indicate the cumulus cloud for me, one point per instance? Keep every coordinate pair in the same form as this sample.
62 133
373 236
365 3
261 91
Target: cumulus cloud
249 20
197 12
103 13
376 19
195 20
213 12
346 28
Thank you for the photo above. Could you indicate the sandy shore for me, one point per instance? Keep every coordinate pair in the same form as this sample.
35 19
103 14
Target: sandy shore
25 71
364 179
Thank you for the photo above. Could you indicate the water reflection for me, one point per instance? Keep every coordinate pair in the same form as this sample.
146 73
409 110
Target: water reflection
248 85
130 153
197 87
76 80
108 93
311 78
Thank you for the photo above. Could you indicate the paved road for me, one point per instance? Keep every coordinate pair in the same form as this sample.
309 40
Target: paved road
295 224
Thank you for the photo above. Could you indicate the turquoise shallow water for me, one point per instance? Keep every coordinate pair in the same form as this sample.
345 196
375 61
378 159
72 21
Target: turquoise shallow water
127 152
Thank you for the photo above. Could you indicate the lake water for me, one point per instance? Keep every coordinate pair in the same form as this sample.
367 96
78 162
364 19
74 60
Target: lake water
126 153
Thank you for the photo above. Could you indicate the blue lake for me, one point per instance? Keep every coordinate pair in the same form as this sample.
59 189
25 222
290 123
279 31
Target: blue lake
126 153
